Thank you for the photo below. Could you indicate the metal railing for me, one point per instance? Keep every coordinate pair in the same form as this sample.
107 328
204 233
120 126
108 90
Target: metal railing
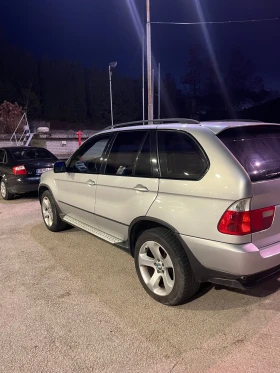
25 136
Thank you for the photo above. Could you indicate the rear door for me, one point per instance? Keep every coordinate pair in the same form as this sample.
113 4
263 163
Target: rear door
182 165
257 148
129 184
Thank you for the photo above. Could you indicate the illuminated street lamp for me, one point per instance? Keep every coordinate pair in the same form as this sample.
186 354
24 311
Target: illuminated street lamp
112 65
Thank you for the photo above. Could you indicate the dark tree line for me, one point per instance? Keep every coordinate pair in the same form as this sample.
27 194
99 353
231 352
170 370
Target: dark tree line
66 91
216 93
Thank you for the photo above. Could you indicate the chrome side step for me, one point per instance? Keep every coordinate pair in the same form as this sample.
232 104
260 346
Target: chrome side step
96 232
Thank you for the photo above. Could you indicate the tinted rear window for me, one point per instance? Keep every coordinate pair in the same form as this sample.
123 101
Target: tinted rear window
31 154
257 148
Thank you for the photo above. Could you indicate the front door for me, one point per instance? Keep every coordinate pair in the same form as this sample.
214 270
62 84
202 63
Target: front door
77 187
129 185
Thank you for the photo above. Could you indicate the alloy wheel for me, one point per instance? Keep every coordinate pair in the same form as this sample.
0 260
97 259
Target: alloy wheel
47 211
156 268
3 189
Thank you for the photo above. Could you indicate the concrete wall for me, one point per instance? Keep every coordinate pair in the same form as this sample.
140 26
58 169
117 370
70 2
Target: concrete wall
4 143
60 143
5 140
55 146
57 134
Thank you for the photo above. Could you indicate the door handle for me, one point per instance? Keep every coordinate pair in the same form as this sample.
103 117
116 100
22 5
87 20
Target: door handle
141 188
90 183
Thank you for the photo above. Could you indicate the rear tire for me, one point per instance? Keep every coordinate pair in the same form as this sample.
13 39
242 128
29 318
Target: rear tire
4 191
163 267
50 213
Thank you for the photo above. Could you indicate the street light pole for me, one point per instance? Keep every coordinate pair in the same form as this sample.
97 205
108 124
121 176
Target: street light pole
143 76
149 64
112 65
153 84
159 90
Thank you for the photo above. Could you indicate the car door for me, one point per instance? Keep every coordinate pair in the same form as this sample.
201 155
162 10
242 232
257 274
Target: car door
77 187
129 184
2 162
182 194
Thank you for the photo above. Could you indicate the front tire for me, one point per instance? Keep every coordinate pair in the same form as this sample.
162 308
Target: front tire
163 267
50 214
5 194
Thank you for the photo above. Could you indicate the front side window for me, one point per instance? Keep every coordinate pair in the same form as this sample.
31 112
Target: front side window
124 153
88 158
180 156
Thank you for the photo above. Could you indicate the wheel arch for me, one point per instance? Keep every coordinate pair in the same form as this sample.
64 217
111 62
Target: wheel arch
4 177
143 223
9 195
42 188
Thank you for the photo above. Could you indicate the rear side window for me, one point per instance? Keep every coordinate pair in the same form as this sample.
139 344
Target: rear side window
257 148
31 154
180 156
124 153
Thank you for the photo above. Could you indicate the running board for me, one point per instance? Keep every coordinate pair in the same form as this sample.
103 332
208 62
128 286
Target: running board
96 232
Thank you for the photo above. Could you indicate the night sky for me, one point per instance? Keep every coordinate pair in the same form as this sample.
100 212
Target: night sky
101 31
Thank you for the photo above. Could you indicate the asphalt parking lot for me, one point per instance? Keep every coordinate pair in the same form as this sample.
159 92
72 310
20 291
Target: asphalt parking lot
72 303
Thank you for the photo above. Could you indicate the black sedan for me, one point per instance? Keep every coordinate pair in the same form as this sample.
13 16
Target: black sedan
21 168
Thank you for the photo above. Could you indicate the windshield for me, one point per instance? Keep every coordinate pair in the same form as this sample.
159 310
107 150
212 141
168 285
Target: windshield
257 148
31 154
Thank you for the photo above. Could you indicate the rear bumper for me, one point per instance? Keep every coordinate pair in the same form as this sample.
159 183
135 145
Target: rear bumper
241 266
258 278
239 282
18 185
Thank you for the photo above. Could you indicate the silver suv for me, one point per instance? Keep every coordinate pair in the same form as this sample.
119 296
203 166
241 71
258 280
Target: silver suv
192 202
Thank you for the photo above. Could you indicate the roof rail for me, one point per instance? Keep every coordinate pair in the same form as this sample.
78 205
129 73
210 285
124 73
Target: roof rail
155 121
234 120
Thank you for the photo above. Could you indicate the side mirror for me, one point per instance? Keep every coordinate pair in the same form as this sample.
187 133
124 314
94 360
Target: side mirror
59 167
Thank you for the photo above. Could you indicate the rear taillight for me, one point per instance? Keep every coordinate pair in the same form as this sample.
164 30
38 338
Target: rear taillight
239 220
262 219
19 170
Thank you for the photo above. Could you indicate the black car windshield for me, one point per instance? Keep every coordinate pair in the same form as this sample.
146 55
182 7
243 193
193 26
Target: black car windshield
257 148
31 154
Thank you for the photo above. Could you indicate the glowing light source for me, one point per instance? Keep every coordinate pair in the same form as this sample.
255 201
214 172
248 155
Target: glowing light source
210 48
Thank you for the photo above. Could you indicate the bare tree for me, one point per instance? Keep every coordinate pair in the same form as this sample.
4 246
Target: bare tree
10 115
192 80
246 88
